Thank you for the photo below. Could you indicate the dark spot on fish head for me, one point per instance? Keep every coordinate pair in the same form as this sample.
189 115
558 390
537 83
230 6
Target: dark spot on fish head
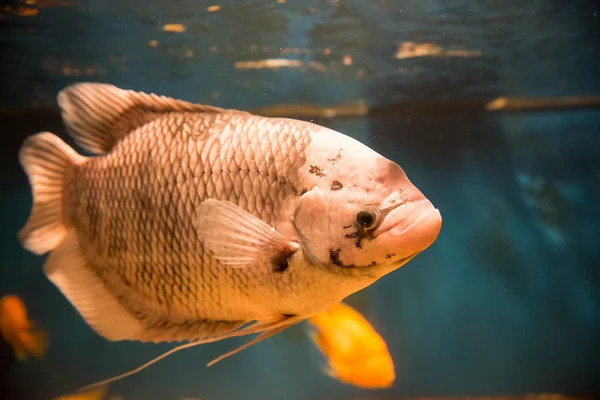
337 157
288 315
336 185
351 235
359 234
373 263
334 257
316 170
388 256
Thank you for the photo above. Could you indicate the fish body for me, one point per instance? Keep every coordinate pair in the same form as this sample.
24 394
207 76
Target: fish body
356 353
191 221
18 331
142 228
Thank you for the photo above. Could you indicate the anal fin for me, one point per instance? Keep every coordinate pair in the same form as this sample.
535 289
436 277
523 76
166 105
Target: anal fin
68 268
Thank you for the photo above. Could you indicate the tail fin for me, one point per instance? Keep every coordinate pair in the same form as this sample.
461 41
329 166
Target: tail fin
47 161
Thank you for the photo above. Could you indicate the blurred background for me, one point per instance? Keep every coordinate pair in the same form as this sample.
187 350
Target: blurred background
507 300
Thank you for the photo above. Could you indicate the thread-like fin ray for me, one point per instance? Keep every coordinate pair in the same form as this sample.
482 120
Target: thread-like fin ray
269 328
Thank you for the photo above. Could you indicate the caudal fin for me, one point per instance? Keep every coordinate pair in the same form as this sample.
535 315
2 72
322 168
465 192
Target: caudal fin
47 161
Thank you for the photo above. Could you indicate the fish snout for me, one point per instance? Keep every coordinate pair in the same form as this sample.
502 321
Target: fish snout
412 226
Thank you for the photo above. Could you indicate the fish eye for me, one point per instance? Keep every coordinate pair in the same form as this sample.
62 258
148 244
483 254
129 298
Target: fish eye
368 219
365 219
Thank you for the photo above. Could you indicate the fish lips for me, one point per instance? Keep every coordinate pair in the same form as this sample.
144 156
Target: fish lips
412 227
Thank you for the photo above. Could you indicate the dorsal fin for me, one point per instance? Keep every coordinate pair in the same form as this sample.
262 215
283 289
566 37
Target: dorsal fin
98 115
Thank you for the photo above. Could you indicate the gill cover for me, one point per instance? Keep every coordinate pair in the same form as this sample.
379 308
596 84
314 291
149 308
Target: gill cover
326 223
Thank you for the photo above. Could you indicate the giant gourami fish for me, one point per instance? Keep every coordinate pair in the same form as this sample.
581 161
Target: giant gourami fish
197 223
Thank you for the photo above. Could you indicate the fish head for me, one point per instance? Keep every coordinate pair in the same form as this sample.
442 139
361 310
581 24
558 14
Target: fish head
364 217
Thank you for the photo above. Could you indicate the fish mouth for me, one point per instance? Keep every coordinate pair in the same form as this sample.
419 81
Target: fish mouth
412 227
432 214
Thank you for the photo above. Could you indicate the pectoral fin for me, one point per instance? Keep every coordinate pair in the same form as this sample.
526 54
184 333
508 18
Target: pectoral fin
238 239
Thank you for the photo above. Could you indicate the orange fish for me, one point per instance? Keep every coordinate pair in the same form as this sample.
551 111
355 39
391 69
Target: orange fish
18 331
98 393
357 354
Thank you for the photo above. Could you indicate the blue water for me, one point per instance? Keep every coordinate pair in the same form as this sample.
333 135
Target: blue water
505 302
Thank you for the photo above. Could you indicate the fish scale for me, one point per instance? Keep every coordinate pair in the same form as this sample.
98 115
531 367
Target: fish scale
177 283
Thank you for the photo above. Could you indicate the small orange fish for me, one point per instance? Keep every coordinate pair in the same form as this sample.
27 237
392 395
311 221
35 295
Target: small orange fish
357 354
18 331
